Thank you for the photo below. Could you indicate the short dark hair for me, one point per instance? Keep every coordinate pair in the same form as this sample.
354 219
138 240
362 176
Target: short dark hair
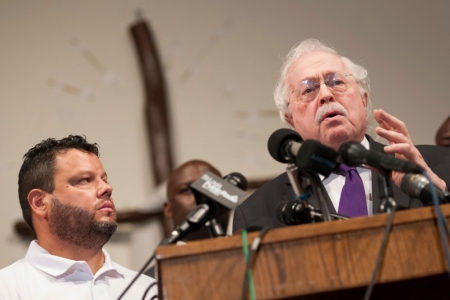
38 167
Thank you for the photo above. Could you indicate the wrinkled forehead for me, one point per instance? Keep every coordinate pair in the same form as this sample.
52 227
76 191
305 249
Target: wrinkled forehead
315 65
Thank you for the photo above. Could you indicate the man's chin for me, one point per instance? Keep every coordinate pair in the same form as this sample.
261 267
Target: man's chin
336 137
107 227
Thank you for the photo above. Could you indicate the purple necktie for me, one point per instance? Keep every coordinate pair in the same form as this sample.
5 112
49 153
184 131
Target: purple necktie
353 197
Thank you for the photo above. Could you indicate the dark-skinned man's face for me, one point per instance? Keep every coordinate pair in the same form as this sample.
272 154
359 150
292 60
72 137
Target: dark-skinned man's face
181 200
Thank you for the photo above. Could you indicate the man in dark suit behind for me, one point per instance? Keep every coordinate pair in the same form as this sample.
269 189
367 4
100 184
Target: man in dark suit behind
443 134
325 97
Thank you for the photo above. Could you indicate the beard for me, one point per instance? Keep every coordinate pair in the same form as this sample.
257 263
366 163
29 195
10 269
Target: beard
77 226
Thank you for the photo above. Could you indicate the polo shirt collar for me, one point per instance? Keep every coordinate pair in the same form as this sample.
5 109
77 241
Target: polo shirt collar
56 265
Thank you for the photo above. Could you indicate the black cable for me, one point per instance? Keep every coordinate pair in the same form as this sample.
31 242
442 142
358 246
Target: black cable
380 255
253 249
148 289
444 229
154 297
136 277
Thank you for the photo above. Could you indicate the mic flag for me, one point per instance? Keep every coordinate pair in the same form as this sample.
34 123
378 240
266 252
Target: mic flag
223 194
214 196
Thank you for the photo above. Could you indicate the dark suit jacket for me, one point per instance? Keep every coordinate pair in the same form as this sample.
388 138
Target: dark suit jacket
260 208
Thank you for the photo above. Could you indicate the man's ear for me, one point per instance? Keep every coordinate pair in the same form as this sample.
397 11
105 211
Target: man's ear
39 202
365 98
167 210
289 120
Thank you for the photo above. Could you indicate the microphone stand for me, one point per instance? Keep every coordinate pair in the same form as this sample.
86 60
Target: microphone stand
387 205
215 229
322 195
302 196
313 179
317 213
386 192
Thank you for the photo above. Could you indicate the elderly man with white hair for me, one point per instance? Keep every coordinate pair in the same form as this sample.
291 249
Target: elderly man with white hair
325 97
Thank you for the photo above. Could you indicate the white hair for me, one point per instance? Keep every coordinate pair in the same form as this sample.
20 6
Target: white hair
282 93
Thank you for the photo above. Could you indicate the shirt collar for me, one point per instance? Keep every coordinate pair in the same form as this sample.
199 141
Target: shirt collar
56 265
365 143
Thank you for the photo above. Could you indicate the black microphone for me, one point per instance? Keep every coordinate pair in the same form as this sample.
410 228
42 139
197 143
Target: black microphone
237 179
418 186
355 154
293 212
214 196
286 145
296 212
280 143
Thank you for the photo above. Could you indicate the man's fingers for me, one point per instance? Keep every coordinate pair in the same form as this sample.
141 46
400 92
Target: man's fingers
387 118
392 136
402 148
379 118
390 122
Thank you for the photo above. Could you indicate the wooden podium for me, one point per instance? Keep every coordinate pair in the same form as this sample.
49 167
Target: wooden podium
332 260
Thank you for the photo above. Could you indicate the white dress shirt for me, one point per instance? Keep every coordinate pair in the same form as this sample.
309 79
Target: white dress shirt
42 276
334 184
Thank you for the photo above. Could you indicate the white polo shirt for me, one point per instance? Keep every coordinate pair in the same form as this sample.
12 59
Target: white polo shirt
42 276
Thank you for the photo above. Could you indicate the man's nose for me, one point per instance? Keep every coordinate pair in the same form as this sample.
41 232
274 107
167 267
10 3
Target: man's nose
325 94
105 189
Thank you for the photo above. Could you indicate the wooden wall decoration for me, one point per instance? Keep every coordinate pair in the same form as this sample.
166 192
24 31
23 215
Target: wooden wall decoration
156 110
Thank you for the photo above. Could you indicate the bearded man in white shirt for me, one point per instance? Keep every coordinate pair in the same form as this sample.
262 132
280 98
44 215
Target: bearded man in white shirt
66 198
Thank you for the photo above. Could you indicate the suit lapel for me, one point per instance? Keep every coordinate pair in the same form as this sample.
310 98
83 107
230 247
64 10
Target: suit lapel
375 187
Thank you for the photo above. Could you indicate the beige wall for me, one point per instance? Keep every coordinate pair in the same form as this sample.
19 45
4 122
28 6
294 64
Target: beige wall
221 60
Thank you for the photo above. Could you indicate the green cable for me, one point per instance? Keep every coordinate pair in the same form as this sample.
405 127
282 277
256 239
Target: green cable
251 287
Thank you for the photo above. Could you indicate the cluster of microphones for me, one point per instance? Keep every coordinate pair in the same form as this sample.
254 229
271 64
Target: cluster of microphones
286 146
215 196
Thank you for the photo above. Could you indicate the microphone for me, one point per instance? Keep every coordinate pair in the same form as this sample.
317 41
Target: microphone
286 146
237 179
280 143
293 212
214 196
297 212
418 186
354 154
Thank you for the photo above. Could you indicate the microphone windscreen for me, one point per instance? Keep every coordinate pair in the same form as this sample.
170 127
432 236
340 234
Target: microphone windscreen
353 153
281 207
237 179
278 139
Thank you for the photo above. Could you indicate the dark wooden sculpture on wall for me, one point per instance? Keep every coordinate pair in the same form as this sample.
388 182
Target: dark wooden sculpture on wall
156 110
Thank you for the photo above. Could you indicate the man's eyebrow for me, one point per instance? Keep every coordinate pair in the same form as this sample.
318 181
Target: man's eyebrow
325 74
187 182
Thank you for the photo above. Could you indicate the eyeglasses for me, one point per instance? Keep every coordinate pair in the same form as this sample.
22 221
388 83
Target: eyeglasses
309 88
